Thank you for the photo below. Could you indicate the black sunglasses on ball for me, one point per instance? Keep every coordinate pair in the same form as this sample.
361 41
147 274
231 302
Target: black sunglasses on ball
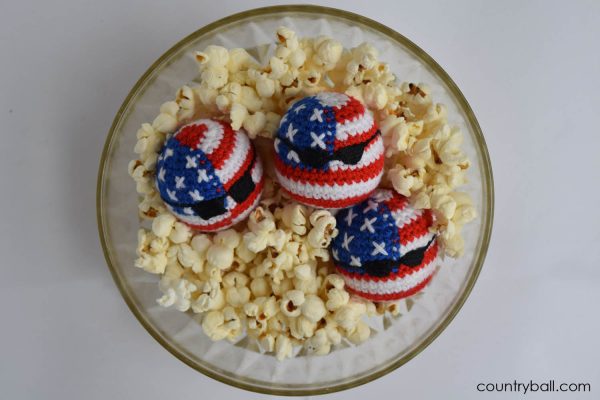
314 158
239 191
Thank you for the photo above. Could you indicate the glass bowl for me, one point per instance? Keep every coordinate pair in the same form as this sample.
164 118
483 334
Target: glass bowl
395 341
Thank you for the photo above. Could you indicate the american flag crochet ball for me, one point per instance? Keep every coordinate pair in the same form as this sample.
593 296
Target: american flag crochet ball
329 152
384 249
209 175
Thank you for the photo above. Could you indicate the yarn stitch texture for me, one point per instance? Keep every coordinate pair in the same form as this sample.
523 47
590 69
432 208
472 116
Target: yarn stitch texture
384 249
209 175
328 151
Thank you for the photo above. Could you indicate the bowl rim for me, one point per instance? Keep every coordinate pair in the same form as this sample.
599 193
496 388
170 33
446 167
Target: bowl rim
488 200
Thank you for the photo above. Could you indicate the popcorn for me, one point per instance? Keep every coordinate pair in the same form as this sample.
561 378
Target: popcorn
360 333
302 327
165 123
283 347
153 263
219 256
260 287
319 343
336 298
187 101
177 293
313 308
212 57
163 225
254 124
213 325
291 302
349 315
180 233
323 229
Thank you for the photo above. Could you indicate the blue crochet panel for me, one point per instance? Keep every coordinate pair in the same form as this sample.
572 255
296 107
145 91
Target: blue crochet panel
297 129
184 173
359 227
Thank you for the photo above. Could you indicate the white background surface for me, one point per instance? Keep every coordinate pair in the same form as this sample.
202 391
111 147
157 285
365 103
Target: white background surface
531 71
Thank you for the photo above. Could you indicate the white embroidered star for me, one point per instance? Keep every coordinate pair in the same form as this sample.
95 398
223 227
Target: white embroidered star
283 119
202 176
318 140
334 252
299 108
179 182
276 144
161 174
317 115
368 225
191 162
195 195
350 217
347 241
291 132
168 153
379 248
355 261
383 195
292 155
371 205
188 211
171 195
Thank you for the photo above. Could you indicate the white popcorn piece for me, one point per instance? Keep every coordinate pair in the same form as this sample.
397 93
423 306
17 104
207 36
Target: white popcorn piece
176 293
213 325
260 287
239 59
228 238
359 333
153 263
313 308
187 100
165 123
328 53
219 256
293 216
146 130
213 57
283 347
336 298
348 315
180 233
163 225
323 230
319 343
304 272
291 302
237 296
267 343
302 327
171 108
254 124
237 115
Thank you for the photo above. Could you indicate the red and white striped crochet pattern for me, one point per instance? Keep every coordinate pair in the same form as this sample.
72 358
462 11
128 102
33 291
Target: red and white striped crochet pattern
329 152
209 175
385 250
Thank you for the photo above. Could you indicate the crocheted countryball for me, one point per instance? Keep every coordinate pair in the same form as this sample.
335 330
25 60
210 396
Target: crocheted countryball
384 248
209 175
329 153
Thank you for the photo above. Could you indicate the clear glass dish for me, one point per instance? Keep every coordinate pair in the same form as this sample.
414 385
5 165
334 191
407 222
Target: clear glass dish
396 341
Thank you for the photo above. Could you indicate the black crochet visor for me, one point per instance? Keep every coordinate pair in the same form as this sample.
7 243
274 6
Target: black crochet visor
239 191
349 155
